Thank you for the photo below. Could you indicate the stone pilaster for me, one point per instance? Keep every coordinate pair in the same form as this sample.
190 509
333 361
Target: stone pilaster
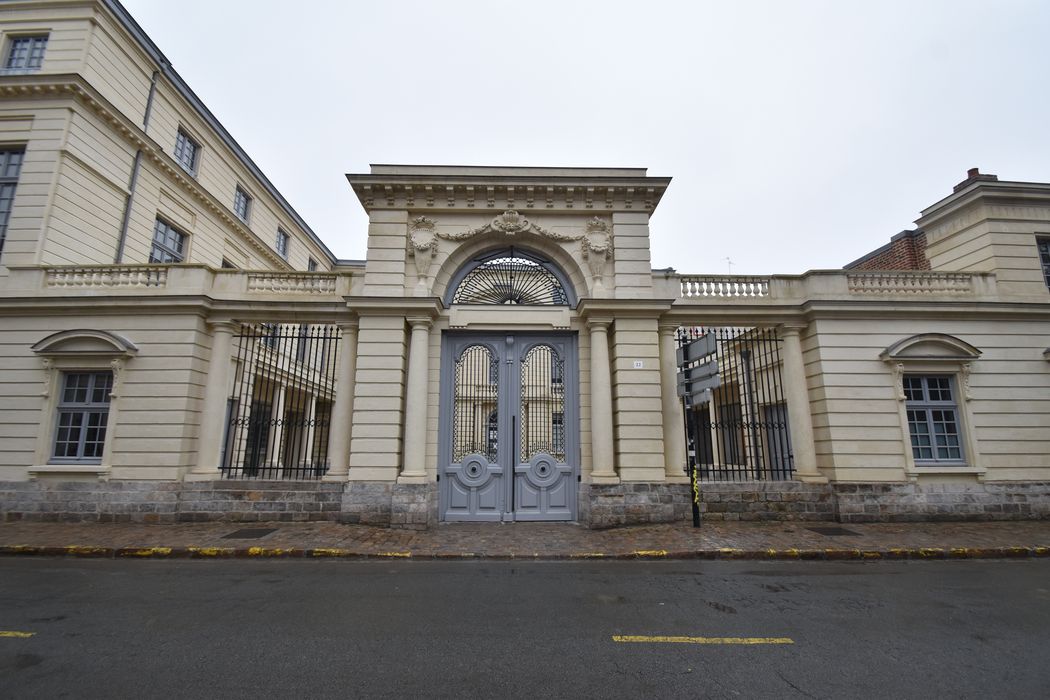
415 450
673 420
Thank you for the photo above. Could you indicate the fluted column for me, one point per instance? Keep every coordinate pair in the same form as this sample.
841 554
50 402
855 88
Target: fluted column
674 423
415 449
800 419
343 405
216 395
602 459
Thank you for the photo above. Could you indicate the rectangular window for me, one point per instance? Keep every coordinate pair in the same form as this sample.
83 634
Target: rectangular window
10 167
186 152
25 53
302 349
1043 244
83 411
270 332
311 265
282 243
558 433
933 418
169 244
242 204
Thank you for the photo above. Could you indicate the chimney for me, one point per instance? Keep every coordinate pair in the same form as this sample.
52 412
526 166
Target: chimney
974 175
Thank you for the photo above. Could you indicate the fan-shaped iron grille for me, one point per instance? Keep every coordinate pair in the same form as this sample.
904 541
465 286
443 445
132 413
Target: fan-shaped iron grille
511 279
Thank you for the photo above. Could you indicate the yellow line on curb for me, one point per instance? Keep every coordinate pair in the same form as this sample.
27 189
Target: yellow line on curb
19 635
394 554
702 640
650 553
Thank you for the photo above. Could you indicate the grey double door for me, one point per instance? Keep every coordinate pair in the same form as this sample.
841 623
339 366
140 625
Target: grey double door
509 437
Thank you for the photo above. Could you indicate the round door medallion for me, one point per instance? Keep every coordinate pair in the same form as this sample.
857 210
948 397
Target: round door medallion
542 471
473 472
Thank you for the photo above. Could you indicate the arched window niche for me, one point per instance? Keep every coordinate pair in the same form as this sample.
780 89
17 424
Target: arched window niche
931 373
510 277
82 377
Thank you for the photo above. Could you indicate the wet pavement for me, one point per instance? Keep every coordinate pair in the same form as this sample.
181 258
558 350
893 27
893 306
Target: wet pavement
722 540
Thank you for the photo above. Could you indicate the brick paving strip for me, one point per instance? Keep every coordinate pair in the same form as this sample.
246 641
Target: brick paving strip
539 541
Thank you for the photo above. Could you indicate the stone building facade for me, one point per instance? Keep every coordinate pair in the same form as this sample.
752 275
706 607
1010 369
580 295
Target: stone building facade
505 352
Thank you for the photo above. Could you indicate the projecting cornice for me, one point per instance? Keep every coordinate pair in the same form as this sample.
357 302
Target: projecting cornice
586 189
64 86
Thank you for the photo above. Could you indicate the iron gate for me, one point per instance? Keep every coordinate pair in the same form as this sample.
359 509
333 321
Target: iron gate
279 416
737 423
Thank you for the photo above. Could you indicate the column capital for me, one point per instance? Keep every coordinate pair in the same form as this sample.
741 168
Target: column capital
224 326
351 325
424 322
795 328
668 327
601 323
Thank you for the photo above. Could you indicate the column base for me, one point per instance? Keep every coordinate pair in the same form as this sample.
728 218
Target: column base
604 479
412 479
811 478
340 477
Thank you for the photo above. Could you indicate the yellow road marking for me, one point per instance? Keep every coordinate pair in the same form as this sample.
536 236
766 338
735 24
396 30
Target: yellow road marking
702 640
650 552
12 633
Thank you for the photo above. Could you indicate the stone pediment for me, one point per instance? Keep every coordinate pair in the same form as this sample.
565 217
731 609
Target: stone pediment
931 346
85 342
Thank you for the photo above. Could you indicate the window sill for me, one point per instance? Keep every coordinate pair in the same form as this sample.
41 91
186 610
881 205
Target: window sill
72 469
944 469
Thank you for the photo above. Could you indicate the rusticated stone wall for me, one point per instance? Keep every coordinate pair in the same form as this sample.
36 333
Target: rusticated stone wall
991 500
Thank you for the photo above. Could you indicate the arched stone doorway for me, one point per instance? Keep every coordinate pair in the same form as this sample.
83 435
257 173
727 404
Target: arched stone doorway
509 420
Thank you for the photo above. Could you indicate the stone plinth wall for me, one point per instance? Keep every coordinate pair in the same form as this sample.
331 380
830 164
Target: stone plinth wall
603 506
991 500
415 506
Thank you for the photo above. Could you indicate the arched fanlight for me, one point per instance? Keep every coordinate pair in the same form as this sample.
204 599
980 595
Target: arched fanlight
511 277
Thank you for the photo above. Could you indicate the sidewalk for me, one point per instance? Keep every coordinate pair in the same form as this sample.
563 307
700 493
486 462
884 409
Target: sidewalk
551 541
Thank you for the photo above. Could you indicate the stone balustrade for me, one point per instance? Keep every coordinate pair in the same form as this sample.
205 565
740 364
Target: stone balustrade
724 286
909 283
823 285
107 277
291 283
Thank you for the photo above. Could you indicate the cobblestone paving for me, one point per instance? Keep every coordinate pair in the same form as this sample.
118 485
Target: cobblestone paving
544 540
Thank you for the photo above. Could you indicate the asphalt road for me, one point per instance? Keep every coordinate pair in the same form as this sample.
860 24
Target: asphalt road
232 629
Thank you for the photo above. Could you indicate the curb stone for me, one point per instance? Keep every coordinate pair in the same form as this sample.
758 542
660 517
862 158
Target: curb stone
894 553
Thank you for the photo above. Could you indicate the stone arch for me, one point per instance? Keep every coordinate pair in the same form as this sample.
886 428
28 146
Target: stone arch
510 275
531 244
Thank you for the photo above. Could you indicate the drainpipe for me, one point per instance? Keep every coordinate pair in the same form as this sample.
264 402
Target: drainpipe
125 219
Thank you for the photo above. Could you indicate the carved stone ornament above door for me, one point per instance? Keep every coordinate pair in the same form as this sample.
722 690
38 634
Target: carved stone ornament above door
596 242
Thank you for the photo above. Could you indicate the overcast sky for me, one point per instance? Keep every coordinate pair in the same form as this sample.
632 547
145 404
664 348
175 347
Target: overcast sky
800 135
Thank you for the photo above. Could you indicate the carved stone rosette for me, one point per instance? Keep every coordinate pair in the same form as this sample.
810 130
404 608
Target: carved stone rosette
422 244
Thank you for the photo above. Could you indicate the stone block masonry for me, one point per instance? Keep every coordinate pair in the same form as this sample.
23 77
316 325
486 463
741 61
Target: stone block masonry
415 506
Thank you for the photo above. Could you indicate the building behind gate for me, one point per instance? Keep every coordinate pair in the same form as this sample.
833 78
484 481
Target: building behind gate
178 344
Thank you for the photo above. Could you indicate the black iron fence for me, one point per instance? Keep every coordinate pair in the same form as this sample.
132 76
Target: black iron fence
279 416
731 384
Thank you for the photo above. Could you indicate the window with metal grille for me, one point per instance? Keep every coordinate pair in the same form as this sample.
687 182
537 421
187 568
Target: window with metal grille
10 167
933 418
169 244
83 412
187 152
242 204
282 243
1043 244
25 53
